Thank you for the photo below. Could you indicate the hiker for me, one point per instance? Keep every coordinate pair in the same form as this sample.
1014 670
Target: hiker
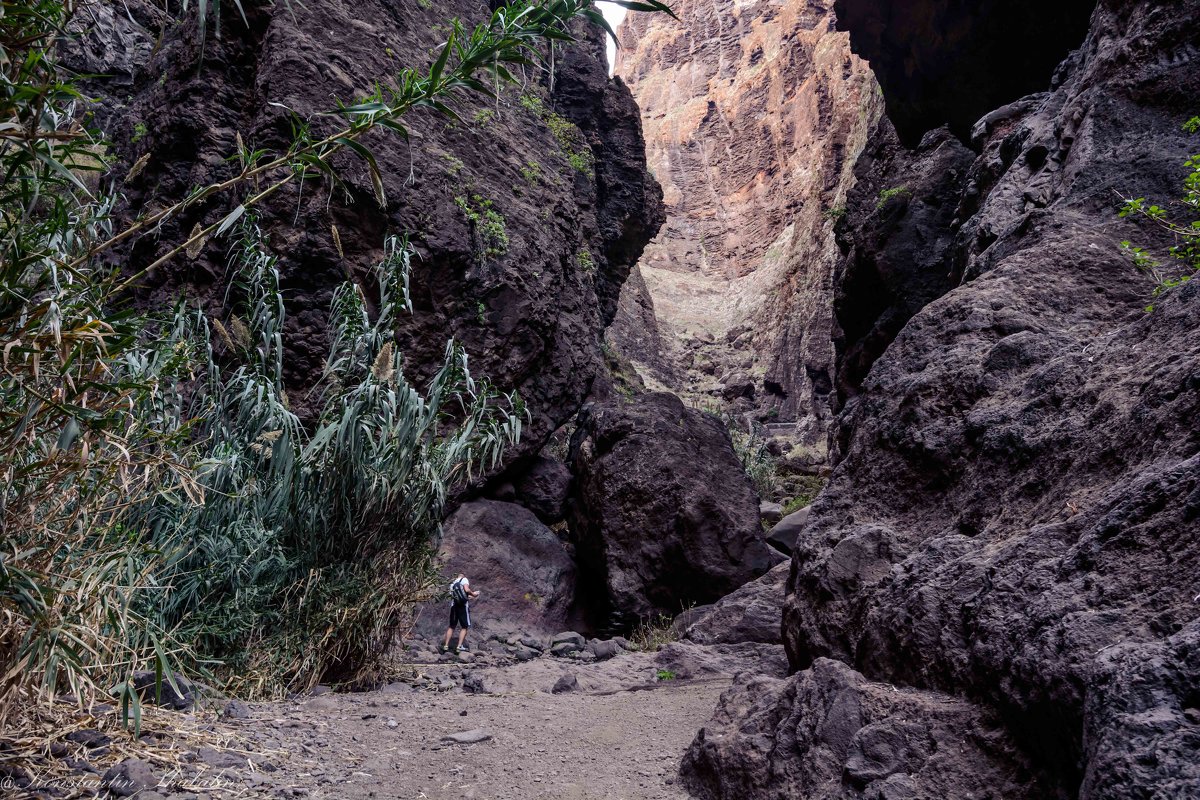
460 612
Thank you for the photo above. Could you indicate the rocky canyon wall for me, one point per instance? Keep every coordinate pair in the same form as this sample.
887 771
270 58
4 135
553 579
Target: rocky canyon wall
1009 546
530 303
754 114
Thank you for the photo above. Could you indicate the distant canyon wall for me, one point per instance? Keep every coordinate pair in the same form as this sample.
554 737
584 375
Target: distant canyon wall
754 115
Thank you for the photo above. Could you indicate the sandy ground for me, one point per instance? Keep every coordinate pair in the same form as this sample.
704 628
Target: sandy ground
618 733
623 744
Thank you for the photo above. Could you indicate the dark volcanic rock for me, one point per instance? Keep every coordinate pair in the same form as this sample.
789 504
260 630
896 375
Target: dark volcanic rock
543 488
525 574
829 734
663 514
899 242
752 613
130 778
947 62
1016 519
531 318
783 536
151 689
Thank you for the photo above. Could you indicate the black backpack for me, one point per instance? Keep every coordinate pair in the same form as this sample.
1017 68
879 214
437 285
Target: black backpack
457 591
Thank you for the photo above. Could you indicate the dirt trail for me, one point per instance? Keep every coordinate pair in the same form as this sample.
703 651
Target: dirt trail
572 725
623 744
617 732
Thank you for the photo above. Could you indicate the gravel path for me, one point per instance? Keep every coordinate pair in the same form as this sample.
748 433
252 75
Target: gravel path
549 727
622 744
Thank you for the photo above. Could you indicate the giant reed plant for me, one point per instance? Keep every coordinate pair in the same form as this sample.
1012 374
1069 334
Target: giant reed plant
311 547
80 402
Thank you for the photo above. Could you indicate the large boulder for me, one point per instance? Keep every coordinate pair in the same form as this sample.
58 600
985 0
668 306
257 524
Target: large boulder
525 573
663 515
752 613
830 734
543 488
783 536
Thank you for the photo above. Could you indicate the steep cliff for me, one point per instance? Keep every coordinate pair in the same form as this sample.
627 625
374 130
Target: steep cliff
527 214
1014 527
754 116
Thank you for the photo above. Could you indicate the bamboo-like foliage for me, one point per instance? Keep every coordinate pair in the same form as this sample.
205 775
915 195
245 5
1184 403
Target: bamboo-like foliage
309 547
80 437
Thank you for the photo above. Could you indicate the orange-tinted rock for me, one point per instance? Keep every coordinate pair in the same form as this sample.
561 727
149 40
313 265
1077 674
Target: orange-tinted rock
754 114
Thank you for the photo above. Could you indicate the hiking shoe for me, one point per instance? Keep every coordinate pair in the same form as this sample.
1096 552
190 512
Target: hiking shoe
463 647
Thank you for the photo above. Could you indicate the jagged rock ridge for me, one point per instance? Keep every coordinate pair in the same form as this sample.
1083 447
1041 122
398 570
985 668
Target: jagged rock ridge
1014 526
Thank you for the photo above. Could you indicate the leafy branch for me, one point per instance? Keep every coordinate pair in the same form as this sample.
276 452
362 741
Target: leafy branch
1186 234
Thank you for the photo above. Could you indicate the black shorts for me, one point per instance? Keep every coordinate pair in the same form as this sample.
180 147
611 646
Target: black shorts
460 615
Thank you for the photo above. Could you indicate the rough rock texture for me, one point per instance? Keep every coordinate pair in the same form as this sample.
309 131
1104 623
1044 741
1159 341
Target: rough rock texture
752 613
543 488
945 62
899 238
525 573
829 734
662 514
531 319
1016 519
754 114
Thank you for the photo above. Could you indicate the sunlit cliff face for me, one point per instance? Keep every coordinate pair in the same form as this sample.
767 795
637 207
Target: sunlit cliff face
754 113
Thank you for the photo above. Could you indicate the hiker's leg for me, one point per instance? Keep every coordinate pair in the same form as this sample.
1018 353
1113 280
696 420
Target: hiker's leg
449 633
462 634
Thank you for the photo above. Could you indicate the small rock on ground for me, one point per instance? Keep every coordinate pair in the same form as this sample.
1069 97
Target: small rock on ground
468 737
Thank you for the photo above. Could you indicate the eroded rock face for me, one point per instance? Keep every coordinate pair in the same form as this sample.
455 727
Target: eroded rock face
754 115
828 733
899 235
530 317
1016 516
662 514
1014 526
526 574
543 488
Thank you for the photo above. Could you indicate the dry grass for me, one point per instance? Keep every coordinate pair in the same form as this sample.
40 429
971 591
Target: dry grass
653 633
35 753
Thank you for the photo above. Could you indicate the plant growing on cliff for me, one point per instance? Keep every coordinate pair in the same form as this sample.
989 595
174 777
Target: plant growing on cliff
1185 251
532 173
888 195
487 222
570 139
585 262
512 35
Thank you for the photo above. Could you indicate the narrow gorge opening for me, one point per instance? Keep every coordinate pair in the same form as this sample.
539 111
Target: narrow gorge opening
757 117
